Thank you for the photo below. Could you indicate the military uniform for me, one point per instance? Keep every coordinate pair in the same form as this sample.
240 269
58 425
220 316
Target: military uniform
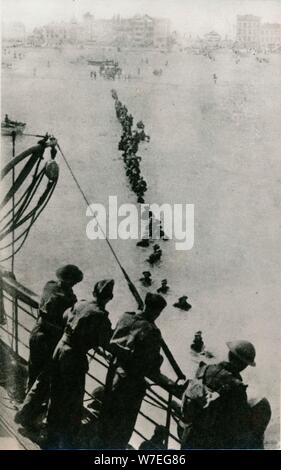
56 299
87 328
225 422
136 348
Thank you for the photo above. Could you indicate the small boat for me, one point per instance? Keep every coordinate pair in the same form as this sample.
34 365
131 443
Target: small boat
8 127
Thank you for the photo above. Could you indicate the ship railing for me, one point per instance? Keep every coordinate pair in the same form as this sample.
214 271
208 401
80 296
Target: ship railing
18 314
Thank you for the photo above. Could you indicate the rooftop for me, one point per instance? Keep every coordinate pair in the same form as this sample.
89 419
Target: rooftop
248 18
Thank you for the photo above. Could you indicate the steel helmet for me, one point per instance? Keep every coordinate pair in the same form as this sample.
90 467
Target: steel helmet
69 272
140 125
155 301
104 288
244 350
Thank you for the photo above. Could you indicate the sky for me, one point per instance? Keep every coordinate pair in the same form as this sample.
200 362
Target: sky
191 16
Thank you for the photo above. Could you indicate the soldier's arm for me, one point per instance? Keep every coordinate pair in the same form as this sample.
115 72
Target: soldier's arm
68 314
194 399
152 347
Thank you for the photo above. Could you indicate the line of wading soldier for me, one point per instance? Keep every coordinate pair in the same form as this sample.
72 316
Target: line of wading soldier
67 329
129 144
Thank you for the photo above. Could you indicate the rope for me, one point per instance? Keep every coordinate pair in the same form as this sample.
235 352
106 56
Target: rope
24 200
36 180
21 177
88 205
17 223
34 217
16 160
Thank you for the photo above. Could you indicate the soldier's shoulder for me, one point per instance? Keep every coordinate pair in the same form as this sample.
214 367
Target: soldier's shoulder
219 377
127 317
89 307
151 330
50 288
50 284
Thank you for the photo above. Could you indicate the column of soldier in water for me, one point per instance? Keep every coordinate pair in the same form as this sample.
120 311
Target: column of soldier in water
67 329
129 145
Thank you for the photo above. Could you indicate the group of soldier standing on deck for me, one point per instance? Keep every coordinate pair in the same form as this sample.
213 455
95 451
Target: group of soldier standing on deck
129 144
67 329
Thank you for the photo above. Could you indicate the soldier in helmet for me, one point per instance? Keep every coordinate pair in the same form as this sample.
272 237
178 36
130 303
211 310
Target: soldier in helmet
87 328
198 343
215 408
164 288
135 346
144 242
146 279
57 297
156 255
182 303
140 125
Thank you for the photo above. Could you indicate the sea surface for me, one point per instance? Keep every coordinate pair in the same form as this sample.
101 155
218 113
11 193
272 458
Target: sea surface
214 145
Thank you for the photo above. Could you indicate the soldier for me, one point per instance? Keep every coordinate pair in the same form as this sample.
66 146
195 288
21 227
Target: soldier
135 345
144 242
156 255
198 343
223 420
87 328
164 288
182 303
157 440
57 297
146 279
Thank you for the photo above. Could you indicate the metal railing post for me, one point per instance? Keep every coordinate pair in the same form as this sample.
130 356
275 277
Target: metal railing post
16 326
17 318
13 203
168 420
2 306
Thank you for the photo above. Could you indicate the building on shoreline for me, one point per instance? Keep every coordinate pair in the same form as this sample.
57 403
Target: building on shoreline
161 33
251 33
212 40
139 31
88 27
270 36
142 31
248 31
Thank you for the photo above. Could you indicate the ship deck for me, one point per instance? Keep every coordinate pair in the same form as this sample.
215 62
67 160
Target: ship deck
11 435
